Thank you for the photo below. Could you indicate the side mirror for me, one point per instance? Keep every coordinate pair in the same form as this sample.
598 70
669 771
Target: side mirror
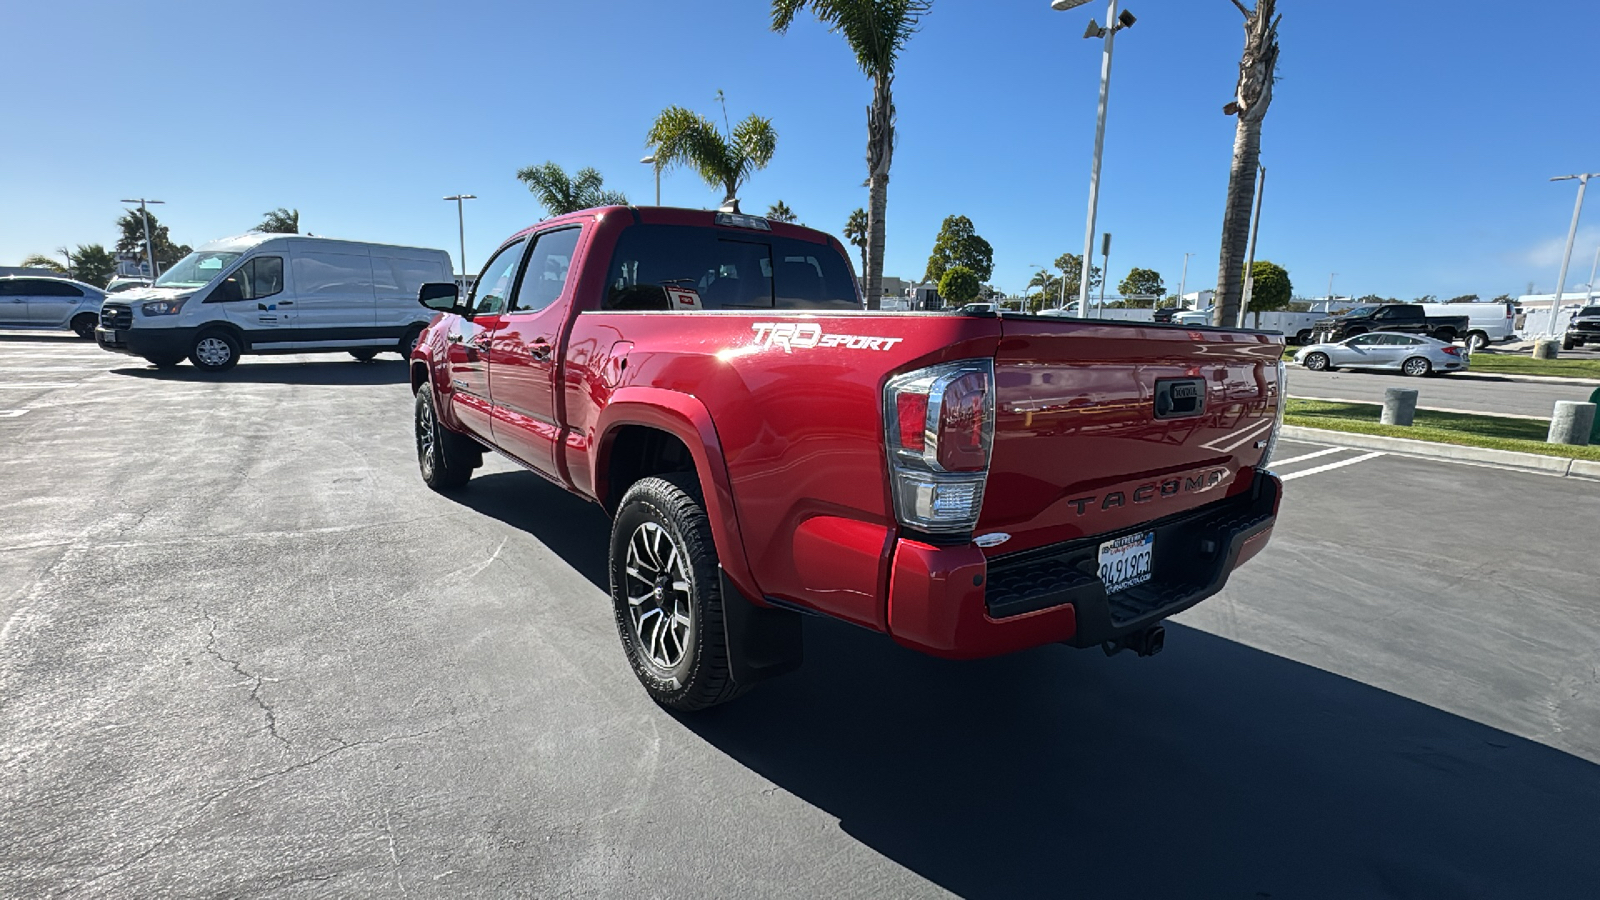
228 291
440 296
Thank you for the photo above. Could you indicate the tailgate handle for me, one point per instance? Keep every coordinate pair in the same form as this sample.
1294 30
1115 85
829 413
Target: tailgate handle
1180 398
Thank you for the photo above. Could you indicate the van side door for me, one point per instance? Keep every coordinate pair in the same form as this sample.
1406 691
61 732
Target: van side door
526 352
333 299
254 297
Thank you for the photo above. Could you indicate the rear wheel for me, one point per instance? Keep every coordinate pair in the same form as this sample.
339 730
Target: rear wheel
1303 338
1416 367
668 596
364 355
445 457
408 343
1317 362
83 325
164 362
215 351
1476 341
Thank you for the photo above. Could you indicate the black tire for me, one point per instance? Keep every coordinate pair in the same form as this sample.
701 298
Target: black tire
1303 338
661 537
1318 362
408 342
1416 367
83 325
1568 343
445 458
215 351
1476 340
164 362
364 355
1448 335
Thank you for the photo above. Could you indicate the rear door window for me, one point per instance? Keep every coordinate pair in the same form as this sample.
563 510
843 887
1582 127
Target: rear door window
659 267
545 275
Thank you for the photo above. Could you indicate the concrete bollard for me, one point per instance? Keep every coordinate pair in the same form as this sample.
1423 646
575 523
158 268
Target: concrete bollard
1545 349
1572 423
1399 406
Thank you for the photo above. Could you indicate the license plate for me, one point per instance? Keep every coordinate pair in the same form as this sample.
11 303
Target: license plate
1126 561
109 337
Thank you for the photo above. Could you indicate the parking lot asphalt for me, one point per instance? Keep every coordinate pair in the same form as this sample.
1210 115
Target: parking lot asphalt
245 651
1516 398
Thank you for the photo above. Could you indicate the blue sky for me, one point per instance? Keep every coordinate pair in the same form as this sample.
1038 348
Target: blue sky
1409 145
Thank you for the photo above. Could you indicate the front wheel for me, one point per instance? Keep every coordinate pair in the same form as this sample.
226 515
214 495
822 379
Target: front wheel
83 325
668 597
215 351
1416 367
1317 362
364 355
1567 344
445 458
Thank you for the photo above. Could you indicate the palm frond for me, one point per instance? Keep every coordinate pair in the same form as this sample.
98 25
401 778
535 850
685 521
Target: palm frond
684 138
551 186
877 30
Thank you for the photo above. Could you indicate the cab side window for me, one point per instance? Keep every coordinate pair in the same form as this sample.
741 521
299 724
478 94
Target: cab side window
492 292
257 279
545 275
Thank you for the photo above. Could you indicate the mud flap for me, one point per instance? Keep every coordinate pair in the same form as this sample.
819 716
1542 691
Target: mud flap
763 642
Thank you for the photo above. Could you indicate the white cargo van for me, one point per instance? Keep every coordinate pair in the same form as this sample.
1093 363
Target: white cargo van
1487 321
275 293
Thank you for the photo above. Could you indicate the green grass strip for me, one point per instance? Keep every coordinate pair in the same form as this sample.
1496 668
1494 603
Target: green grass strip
1507 364
1494 432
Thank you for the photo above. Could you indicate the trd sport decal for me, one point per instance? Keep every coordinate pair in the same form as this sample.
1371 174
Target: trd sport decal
792 336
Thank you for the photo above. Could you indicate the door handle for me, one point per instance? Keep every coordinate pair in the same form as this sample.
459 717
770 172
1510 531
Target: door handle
285 302
539 349
453 337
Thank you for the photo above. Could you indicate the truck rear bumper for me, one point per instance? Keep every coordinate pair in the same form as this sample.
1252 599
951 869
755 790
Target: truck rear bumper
952 602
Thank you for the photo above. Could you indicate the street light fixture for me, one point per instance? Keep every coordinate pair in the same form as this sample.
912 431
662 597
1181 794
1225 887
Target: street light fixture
1566 257
1125 20
150 251
651 161
461 226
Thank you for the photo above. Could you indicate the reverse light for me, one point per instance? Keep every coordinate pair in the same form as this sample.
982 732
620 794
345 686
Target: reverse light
1277 426
163 307
940 433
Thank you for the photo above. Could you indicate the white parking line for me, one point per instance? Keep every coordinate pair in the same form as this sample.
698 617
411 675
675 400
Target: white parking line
11 413
1336 465
22 385
1304 457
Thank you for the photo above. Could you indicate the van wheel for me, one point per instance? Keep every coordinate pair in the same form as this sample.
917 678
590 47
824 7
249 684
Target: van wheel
409 342
667 596
1476 341
83 325
215 351
1303 338
364 355
445 458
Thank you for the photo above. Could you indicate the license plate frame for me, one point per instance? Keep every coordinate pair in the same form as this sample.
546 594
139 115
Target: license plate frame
1127 561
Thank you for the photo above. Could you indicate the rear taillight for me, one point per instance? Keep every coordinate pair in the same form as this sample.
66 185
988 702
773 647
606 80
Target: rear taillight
940 430
1453 351
1282 400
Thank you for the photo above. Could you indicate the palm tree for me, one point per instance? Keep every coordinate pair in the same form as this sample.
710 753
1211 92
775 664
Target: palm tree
280 221
877 30
559 194
723 160
856 230
780 212
93 264
40 261
1251 97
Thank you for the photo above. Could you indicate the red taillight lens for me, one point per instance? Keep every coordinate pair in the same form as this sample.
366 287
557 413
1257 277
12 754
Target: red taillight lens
1453 351
962 424
911 411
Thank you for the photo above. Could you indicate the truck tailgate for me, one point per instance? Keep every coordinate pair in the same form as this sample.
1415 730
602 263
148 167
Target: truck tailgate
1103 426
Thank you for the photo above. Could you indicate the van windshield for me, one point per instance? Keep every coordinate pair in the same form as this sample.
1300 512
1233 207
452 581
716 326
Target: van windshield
197 269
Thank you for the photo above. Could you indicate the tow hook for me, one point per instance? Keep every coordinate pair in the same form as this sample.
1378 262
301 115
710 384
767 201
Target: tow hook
1148 642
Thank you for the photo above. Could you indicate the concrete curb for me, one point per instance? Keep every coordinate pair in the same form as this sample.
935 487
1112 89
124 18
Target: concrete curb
1554 465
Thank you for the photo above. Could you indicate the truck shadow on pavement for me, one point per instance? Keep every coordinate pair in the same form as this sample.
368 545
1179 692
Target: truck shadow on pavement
332 372
1212 770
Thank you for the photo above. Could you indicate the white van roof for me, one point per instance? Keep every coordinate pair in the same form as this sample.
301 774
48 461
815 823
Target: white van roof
246 242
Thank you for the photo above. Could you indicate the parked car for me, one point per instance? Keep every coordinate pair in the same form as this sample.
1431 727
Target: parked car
271 293
118 285
54 303
1411 354
1584 328
766 449
1409 318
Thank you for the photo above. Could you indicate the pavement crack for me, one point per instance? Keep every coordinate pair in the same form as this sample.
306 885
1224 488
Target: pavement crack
255 680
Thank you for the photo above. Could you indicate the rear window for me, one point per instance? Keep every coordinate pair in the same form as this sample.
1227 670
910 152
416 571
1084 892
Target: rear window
718 268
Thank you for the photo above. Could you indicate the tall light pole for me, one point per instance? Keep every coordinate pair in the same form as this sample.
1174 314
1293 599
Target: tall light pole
461 225
1044 283
1114 23
1588 298
150 251
1566 257
1330 289
651 161
1183 279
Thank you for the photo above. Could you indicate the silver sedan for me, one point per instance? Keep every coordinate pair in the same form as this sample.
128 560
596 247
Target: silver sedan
1411 354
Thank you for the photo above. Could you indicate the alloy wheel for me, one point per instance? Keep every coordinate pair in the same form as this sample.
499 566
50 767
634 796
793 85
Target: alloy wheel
213 351
425 438
660 599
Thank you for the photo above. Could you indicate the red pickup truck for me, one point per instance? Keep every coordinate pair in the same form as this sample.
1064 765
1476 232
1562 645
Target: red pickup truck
968 483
